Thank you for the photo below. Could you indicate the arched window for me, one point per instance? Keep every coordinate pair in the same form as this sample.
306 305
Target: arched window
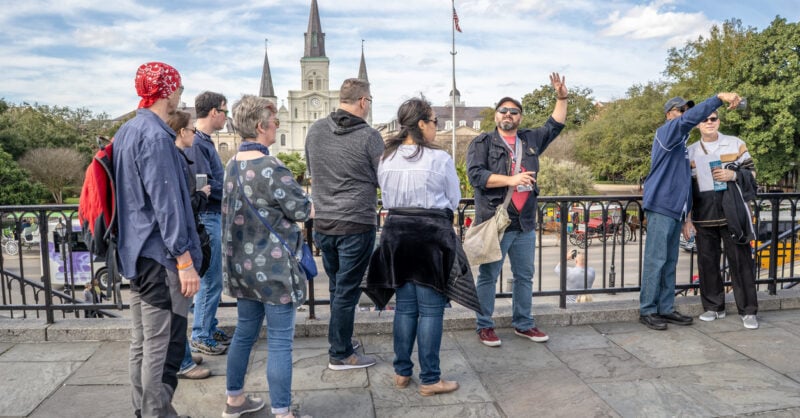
283 140
476 125
223 146
462 123
448 125
295 113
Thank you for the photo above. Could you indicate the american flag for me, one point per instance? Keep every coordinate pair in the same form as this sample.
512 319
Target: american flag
455 20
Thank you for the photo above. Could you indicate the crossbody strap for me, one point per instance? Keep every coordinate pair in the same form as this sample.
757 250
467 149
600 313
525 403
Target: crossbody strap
250 204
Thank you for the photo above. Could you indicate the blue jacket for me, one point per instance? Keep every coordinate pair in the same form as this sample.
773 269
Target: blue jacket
488 155
153 205
206 161
668 186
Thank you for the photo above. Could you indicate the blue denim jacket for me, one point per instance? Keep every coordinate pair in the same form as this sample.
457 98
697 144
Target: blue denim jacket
153 205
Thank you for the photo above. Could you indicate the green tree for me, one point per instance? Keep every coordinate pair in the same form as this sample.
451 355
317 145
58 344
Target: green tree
463 180
761 66
15 186
616 145
294 162
60 170
563 178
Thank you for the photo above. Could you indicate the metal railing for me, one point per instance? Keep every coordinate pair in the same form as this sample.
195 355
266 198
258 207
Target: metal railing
611 230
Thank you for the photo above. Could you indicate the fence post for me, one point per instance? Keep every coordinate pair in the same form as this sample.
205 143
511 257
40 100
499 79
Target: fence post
45 259
773 249
563 213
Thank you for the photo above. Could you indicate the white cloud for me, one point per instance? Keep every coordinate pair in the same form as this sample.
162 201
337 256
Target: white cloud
84 53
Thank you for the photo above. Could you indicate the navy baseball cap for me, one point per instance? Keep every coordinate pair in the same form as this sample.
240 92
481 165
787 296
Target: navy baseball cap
677 102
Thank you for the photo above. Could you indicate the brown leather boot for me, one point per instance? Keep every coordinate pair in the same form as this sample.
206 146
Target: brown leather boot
442 386
401 381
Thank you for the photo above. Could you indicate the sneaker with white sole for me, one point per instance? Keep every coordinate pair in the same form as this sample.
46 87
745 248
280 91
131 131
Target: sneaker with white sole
250 404
355 361
750 321
711 315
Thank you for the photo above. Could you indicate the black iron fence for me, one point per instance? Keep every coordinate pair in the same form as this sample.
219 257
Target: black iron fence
45 268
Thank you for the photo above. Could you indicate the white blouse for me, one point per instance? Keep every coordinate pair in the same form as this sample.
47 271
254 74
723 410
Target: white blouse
428 181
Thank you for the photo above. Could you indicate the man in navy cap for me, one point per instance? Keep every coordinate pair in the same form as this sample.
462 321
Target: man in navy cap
667 200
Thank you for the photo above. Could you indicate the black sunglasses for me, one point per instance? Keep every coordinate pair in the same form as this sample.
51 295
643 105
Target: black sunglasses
711 119
434 120
512 110
223 111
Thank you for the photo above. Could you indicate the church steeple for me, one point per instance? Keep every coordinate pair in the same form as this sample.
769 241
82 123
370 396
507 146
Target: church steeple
266 90
362 68
315 38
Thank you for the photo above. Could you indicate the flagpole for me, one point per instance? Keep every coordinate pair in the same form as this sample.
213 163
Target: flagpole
453 92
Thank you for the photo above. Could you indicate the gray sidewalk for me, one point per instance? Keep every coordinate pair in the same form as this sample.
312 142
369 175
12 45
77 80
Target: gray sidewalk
599 362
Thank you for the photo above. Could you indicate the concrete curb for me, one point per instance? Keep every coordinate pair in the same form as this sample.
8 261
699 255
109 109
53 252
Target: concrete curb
369 322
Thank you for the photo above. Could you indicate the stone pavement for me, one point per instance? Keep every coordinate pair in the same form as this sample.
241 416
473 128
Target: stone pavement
599 362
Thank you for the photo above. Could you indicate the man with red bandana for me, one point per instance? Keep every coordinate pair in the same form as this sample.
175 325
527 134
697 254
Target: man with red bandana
158 243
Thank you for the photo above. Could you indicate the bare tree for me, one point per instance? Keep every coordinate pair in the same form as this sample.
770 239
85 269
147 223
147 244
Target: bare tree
58 169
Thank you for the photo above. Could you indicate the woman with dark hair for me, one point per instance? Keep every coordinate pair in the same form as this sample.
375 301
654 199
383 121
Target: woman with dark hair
261 206
418 247
181 123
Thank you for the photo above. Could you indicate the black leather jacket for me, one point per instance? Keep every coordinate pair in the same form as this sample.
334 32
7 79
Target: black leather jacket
488 155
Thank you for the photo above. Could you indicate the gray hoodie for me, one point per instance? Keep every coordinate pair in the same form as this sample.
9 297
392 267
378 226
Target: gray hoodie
342 152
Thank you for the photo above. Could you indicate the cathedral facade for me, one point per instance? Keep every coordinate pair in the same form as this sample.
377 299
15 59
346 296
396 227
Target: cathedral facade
315 99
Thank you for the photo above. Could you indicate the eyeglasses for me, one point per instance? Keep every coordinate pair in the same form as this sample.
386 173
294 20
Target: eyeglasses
193 130
434 120
225 111
711 119
277 122
512 110
679 109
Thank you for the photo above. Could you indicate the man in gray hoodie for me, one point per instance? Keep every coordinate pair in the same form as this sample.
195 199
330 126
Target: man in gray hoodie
342 153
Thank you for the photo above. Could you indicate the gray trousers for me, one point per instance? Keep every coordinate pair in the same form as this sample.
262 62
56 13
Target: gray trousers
158 338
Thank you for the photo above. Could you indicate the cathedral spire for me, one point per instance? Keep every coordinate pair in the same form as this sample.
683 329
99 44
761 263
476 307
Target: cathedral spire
315 38
266 77
362 68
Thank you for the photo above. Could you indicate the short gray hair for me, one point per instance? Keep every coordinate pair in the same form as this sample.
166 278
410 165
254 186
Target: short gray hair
248 112
353 89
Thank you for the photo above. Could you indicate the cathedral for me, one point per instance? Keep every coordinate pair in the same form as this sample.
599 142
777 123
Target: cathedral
315 99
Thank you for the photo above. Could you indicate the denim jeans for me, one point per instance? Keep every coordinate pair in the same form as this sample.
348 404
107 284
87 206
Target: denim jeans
280 336
419 315
520 247
187 358
206 301
657 293
345 259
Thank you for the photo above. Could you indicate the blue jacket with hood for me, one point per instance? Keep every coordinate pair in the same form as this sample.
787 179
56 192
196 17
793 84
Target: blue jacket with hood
668 186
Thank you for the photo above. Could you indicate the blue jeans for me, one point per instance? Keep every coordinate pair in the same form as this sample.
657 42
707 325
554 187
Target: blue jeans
345 259
280 336
660 259
206 301
520 247
419 315
187 358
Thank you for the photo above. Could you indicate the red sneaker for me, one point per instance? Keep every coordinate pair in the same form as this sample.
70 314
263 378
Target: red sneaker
532 334
488 337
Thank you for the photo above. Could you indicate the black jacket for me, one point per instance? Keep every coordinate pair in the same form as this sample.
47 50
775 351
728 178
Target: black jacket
727 207
488 155
419 245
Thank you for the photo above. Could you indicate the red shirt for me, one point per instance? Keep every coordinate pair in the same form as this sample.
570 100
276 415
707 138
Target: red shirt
518 198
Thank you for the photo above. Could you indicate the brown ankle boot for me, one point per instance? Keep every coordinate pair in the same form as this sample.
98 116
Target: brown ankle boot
442 386
401 381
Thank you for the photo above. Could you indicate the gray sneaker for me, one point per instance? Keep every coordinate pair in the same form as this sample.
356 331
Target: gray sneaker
712 315
355 361
250 405
212 348
750 321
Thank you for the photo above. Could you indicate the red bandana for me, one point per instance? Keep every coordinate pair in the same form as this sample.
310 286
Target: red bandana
156 80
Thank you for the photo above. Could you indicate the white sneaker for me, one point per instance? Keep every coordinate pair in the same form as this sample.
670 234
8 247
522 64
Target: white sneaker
712 315
750 321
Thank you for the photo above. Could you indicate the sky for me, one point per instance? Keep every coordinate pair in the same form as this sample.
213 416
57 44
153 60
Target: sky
84 53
